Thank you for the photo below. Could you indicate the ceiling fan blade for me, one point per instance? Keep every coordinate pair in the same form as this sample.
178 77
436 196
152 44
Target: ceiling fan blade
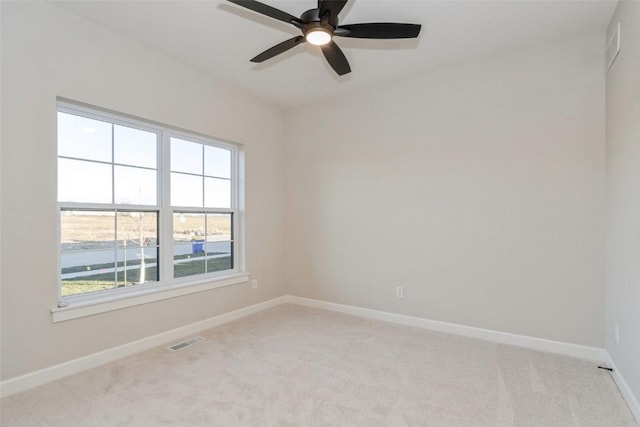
336 58
332 6
278 49
379 30
267 10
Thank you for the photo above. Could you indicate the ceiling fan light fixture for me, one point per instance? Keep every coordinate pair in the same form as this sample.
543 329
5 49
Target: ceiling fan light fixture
318 36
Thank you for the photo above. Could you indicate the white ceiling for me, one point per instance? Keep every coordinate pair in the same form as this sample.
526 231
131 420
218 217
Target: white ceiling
220 38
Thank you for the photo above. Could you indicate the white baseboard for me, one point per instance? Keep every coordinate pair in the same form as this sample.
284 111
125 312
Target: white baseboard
43 376
580 351
624 388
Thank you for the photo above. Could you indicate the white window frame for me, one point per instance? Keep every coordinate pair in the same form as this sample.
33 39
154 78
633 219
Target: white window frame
80 305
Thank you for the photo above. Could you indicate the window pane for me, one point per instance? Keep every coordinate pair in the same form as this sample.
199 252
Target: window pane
186 156
135 186
186 190
219 248
86 182
87 260
88 271
189 244
82 230
134 147
84 138
188 227
218 227
86 284
188 260
222 261
137 229
219 245
217 193
87 263
217 162
137 265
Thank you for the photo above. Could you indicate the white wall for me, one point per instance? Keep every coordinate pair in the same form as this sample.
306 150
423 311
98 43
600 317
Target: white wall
479 188
623 200
47 52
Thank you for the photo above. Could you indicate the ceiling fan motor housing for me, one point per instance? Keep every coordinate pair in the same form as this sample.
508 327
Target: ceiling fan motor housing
313 16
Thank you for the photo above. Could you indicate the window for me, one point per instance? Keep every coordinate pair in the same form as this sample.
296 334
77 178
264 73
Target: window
142 207
201 201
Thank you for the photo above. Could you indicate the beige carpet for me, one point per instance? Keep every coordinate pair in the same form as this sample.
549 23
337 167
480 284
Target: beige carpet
295 366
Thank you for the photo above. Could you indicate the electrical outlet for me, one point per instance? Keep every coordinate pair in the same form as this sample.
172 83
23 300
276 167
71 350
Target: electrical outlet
399 292
254 284
616 333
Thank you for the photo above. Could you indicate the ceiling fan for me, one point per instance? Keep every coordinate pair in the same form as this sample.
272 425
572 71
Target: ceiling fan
320 25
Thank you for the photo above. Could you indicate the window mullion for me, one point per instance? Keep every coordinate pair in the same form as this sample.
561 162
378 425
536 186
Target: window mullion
166 246
204 206
113 201
237 235
115 249
113 167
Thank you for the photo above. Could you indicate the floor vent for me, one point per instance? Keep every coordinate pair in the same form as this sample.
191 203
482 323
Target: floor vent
183 344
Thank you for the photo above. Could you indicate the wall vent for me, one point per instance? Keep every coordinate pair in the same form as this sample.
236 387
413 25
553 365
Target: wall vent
184 344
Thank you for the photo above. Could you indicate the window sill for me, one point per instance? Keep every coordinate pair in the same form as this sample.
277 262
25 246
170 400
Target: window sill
110 303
